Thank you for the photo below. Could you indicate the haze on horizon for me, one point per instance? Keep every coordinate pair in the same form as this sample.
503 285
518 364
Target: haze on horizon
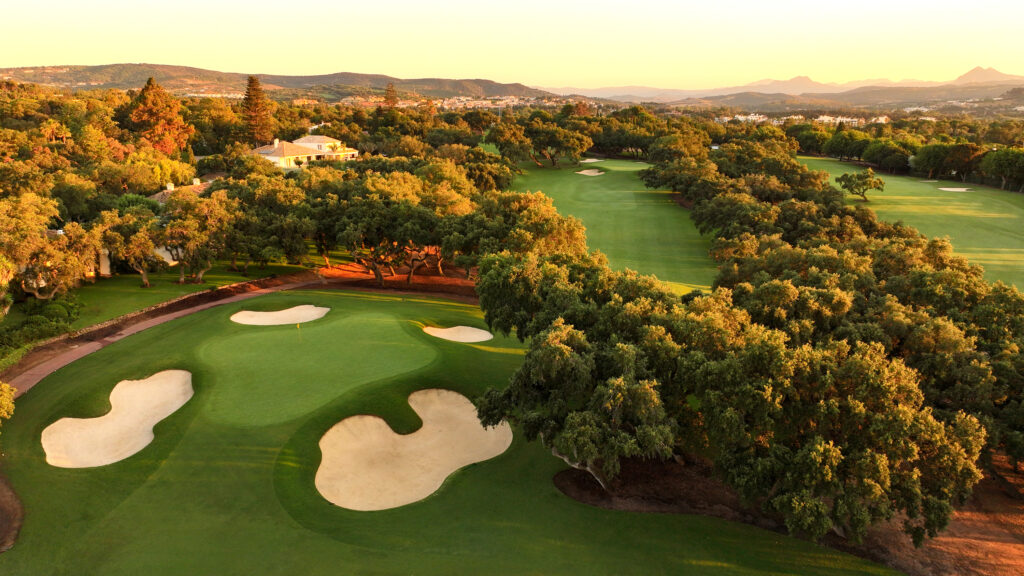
579 43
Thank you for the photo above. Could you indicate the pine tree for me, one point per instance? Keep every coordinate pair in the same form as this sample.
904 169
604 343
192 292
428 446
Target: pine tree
256 112
390 96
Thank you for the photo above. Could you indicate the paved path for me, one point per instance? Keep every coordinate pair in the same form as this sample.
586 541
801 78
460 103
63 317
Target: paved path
25 380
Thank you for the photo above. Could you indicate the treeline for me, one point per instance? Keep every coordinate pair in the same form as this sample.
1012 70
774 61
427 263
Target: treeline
986 153
842 372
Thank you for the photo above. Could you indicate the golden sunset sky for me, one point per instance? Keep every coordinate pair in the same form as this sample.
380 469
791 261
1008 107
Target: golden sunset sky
541 43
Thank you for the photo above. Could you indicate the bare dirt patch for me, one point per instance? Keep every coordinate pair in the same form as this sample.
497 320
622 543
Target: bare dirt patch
367 466
985 536
11 515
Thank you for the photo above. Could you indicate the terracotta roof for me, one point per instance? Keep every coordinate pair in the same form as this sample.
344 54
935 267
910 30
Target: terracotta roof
317 139
285 149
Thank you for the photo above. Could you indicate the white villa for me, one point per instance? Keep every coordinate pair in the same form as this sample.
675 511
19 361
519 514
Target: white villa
286 154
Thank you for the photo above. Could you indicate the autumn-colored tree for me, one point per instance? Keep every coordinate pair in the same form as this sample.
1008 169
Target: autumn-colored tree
257 113
156 116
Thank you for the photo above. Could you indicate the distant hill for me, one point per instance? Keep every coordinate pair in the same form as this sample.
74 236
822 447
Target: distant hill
868 96
802 88
980 75
185 80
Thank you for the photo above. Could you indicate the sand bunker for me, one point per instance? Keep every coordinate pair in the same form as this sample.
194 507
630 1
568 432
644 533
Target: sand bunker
295 315
459 333
135 407
590 172
954 189
929 181
366 466
589 160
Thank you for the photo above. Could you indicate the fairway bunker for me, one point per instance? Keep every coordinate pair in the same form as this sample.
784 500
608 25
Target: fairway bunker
294 315
955 189
459 333
929 181
590 172
136 406
367 466
589 160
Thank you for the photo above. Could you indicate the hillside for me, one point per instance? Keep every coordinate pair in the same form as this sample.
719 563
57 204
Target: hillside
186 80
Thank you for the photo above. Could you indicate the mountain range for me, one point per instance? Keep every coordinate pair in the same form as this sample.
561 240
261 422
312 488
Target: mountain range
186 80
797 86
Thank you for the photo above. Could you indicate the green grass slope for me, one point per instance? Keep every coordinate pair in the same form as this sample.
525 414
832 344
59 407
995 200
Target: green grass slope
637 228
227 485
985 225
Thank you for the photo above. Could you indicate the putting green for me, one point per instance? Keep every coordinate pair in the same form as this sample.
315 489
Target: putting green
985 225
276 391
227 486
640 229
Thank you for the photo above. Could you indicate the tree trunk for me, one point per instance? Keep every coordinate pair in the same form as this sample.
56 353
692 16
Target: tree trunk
245 269
587 468
1003 186
327 259
377 273
199 275
181 272
536 161
145 276
440 266
413 265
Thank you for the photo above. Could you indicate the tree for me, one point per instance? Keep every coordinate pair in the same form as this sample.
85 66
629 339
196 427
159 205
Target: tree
257 113
963 159
1007 164
24 221
511 141
931 159
196 229
133 238
156 116
390 96
6 402
858 183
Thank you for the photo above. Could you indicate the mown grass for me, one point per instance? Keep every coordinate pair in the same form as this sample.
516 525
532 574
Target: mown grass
227 485
640 229
985 225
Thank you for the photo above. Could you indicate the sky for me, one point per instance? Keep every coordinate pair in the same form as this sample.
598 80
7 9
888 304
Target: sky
550 43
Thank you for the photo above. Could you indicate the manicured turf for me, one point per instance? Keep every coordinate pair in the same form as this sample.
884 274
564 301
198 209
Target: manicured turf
227 485
122 294
637 228
985 225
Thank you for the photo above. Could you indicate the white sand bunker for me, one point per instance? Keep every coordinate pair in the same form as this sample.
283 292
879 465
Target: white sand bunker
135 407
590 172
459 333
929 181
367 466
589 160
294 315
954 189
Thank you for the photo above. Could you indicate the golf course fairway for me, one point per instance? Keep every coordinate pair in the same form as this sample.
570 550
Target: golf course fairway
227 484
636 228
985 225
